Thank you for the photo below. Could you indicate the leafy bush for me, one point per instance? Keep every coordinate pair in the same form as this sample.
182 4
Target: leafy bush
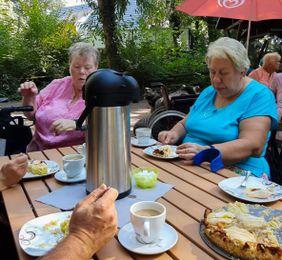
150 55
35 45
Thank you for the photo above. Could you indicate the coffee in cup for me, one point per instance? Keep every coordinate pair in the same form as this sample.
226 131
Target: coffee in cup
143 135
147 219
73 164
147 212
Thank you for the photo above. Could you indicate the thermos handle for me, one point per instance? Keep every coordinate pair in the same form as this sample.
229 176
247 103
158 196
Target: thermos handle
82 118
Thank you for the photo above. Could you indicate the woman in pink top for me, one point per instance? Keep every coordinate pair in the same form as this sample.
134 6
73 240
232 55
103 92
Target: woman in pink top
276 87
57 105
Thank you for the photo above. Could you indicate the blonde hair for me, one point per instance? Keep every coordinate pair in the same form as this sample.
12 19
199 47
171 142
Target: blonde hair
228 48
267 58
85 50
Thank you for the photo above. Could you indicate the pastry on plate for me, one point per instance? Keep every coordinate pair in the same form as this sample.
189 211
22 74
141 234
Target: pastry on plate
261 193
38 167
163 151
236 230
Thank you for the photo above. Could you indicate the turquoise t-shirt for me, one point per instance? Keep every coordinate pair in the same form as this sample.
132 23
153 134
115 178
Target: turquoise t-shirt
207 125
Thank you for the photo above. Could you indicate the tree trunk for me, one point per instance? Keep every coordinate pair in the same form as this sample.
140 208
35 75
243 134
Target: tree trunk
175 24
107 14
212 32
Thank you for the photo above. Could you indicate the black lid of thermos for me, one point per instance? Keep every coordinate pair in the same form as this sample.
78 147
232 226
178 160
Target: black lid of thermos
108 88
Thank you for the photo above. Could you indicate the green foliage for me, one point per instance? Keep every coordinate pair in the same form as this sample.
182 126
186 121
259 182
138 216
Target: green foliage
35 45
151 48
150 54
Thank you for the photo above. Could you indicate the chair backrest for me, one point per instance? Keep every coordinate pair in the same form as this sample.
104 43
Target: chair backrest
273 157
183 103
15 138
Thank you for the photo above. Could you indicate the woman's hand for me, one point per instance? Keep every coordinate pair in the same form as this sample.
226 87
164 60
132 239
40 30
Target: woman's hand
187 151
28 90
94 220
13 171
168 137
62 125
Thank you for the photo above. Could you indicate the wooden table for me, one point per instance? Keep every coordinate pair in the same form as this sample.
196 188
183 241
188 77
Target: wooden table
195 189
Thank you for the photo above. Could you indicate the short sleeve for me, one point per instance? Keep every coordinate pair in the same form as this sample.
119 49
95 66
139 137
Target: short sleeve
262 103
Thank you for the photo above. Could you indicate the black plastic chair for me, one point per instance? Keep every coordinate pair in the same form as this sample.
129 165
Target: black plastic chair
14 134
168 113
274 159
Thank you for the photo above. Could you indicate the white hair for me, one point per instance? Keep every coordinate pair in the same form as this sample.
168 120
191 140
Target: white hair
231 49
84 49
268 58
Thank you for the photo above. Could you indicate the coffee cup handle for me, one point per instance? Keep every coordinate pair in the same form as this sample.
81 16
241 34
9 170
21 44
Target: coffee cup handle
147 229
66 165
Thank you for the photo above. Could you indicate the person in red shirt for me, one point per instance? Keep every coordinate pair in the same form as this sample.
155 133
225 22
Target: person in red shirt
265 73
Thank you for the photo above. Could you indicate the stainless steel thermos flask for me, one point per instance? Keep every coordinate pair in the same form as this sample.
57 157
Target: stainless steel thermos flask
107 95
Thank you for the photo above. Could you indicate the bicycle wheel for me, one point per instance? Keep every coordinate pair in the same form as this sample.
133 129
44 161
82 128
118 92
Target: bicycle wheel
144 122
164 121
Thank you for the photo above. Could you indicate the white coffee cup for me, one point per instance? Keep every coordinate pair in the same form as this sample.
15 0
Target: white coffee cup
147 219
143 135
73 164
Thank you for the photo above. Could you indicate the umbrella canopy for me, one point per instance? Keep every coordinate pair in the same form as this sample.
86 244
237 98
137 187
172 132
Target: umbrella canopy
254 10
251 10
259 28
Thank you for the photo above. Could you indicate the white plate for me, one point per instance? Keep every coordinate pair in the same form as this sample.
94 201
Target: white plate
62 176
230 186
36 240
52 168
134 142
127 238
149 151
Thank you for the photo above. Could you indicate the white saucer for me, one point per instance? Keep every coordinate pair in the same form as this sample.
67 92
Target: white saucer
127 238
134 142
62 176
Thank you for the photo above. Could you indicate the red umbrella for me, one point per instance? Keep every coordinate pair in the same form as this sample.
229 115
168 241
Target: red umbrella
251 10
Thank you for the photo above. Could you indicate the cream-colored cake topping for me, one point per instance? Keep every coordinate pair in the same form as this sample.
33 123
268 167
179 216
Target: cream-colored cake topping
220 217
240 234
250 221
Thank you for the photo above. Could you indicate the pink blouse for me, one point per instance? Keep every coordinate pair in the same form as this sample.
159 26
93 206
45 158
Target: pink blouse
276 87
55 102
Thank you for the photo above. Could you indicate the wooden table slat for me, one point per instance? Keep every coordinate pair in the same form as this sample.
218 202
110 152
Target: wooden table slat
19 212
195 189
187 226
189 189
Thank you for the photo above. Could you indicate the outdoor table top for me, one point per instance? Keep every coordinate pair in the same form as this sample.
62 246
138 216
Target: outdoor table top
195 189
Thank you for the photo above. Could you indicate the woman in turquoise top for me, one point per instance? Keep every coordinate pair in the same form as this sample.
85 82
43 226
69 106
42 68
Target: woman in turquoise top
235 114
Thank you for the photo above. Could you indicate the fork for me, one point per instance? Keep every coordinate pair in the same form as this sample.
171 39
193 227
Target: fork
243 185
